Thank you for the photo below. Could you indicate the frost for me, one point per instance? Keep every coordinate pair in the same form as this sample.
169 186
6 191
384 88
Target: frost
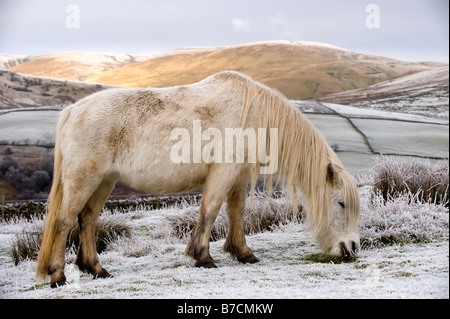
152 264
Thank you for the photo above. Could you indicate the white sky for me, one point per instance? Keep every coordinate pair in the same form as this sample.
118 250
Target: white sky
414 30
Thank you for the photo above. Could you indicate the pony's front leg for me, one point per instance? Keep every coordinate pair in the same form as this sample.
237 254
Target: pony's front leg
198 247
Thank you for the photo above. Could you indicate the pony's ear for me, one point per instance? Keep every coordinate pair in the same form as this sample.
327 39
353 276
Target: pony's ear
331 174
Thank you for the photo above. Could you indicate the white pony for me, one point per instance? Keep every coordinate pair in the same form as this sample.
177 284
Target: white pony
125 134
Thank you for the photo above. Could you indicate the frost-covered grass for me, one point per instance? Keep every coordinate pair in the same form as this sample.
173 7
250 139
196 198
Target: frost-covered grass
428 180
261 214
25 244
400 220
404 255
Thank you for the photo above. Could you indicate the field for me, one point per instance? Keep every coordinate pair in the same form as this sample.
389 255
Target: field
37 128
151 263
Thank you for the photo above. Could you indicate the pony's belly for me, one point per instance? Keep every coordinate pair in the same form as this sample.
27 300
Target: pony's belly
165 179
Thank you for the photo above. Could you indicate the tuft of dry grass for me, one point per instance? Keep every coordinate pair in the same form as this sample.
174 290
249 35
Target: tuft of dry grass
427 180
26 244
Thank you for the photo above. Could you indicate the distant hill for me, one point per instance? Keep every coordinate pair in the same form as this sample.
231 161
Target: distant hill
300 70
74 65
11 60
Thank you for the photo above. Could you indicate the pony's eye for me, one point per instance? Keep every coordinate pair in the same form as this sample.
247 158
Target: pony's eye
342 204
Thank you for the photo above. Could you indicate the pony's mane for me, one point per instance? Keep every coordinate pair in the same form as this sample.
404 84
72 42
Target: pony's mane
303 153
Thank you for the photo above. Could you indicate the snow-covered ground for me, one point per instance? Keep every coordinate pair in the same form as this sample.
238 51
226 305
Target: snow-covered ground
152 264
36 127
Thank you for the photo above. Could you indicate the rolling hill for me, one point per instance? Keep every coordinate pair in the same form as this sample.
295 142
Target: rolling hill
300 70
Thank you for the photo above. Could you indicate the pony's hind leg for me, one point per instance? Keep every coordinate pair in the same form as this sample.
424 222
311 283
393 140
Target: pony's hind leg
235 243
198 247
56 266
74 198
87 258
216 187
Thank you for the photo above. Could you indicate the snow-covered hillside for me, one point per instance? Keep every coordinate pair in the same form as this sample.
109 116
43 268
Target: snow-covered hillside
75 65
425 93
11 60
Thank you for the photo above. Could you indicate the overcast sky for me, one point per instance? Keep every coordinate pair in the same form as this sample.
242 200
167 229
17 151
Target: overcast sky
413 30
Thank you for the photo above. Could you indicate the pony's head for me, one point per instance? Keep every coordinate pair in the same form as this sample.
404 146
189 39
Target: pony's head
337 230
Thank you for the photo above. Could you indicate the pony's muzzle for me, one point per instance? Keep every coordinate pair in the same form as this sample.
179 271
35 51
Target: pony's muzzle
348 250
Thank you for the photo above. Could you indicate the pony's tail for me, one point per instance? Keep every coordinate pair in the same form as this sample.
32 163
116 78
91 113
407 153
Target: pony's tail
54 204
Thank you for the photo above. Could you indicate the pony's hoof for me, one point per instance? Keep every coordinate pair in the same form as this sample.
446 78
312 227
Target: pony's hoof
207 264
58 283
57 279
250 259
103 274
